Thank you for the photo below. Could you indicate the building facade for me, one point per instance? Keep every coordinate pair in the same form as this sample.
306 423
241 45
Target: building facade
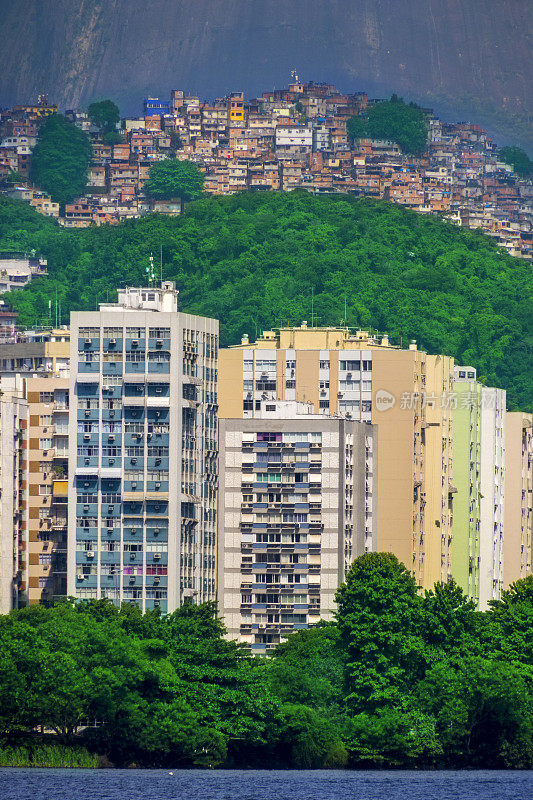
518 518
492 482
143 452
407 393
297 504
467 480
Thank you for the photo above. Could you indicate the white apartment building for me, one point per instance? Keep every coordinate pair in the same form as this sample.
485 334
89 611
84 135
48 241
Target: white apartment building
297 504
143 452
492 483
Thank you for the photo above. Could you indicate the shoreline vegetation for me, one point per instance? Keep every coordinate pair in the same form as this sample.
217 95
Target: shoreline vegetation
396 680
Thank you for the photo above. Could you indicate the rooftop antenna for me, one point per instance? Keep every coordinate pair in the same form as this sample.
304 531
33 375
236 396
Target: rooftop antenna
150 269
312 306
161 265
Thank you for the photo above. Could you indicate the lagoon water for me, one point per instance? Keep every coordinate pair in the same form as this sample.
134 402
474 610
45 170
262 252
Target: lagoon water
62 784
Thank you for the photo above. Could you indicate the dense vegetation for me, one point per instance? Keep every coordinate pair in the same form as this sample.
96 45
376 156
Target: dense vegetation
171 178
253 260
397 680
518 159
105 115
60 159
395 121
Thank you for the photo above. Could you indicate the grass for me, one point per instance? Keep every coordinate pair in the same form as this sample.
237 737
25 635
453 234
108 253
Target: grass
52 756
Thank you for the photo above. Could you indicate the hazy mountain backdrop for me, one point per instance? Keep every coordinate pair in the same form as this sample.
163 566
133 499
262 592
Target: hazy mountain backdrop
467 58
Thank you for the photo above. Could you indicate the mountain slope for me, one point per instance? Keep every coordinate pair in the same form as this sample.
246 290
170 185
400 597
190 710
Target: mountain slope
253 262
471 56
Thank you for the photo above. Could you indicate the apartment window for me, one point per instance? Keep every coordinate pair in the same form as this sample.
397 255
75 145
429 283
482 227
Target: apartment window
269 437
46 397
44 513
130 475
323 403
350 366
113 357
45 419
45 466
88 333
324 364
45 559
111 380
152 547
159 333
133 547
135 333
290 384
112 333
45 444
45 489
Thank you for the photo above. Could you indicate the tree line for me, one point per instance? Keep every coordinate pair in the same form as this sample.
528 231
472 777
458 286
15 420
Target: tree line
394 680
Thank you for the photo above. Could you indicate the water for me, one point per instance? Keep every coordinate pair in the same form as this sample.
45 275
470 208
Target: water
63 784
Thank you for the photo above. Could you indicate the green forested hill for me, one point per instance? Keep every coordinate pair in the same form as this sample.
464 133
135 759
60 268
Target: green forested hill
253 261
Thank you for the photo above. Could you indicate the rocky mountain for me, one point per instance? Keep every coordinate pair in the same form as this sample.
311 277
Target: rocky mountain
470 58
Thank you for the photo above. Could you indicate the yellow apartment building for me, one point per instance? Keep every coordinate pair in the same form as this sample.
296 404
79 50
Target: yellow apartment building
405 392
518 514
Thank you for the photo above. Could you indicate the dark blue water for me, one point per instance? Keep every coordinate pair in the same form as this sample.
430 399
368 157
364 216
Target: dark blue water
63 784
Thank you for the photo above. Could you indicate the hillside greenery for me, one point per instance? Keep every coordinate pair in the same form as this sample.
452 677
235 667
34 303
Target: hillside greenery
171 178
392 120
253 261
518 159
396 680
60 159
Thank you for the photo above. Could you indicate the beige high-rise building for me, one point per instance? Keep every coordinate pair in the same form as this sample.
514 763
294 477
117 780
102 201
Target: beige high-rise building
46 489
518 515
407 393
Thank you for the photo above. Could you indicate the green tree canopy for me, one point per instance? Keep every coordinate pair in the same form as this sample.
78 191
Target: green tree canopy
60 159
253 260
105 115
518 159
394 120
171 178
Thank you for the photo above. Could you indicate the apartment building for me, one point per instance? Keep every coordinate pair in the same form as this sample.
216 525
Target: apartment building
467 480
143 452
13 417
46 481
492 482
518 517
297 504
38 351
365 378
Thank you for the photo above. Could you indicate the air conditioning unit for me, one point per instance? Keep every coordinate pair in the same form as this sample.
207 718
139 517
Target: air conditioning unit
158 486
157 556
85 508
158 461
157 603
110 508
87 462
138 436
157 580
111 438
156 531
110 531
159 343
158 390
132 556
86 485
132 578
86 437
111 413
133 460
135 343
90 553
134 485
112 341
80 576
87 412
133 530
111 460
87 341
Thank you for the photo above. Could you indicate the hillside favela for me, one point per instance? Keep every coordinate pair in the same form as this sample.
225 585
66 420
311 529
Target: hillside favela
266 449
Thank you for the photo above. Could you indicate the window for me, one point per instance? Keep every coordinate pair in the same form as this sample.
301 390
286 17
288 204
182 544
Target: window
45 489
248 366
350 366
112 333
324 364
290 384
111 380
45 444
159 333
46 397
323 404
45 559
88 333
45 466
44 513
291 364
135 333
45 419
269 437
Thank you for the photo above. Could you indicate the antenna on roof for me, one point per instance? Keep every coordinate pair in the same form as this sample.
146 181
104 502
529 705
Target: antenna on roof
150 270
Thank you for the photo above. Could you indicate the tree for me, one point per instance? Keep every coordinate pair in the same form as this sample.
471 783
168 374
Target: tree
105 115
379 617
395 120
172 178
518 159
60 159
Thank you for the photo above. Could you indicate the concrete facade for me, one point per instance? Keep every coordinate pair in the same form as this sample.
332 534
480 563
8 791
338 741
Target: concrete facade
143 452
297 504
518 497
363 378
492 484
